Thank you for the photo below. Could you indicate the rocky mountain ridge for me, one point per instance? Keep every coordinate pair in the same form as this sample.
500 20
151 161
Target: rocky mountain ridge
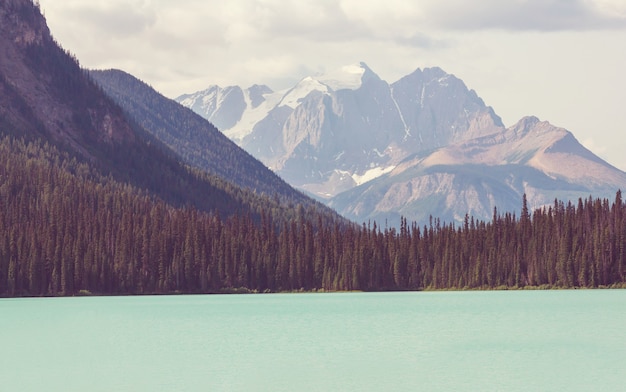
330 133
423 145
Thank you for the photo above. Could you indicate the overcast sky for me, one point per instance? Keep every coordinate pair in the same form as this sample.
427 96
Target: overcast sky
563 61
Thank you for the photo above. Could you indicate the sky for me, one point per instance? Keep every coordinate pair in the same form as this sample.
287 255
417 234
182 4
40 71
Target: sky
563 61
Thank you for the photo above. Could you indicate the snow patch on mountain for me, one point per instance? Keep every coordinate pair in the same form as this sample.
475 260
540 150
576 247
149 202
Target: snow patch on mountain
201 101
371 174
252 115
349 77
294 96
407 130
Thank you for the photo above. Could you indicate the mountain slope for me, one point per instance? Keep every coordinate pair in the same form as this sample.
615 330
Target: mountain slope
45 95
494 171
192 137
44 89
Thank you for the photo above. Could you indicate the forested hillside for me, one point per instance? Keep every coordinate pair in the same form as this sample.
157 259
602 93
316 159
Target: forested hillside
65 227
45 95
193 138
67 231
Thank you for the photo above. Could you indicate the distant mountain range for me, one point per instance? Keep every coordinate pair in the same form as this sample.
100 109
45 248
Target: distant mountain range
423 146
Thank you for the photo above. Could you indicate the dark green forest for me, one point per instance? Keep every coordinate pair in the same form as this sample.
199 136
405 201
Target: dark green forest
67 231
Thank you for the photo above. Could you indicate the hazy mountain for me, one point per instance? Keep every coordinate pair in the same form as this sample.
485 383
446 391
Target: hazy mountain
424 145
532 157
332 132
196 140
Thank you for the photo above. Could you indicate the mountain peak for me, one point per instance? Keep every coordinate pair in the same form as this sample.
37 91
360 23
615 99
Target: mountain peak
348 77
427 74
528 123
256 93
304 87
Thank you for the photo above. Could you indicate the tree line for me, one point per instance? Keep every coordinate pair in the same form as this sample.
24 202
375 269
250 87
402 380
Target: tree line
65 230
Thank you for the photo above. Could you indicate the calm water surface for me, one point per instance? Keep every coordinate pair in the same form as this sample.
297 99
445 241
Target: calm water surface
441 341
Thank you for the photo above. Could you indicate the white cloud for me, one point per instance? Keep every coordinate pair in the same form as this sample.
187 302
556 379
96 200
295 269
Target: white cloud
610 8
528 15
115 18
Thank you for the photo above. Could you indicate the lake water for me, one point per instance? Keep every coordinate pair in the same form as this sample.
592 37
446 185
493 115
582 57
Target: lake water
424 341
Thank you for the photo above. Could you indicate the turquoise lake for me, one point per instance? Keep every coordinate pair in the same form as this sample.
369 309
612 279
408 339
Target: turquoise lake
415 341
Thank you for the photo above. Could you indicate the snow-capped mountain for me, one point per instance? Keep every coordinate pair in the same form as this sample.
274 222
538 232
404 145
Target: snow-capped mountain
423 145
332 132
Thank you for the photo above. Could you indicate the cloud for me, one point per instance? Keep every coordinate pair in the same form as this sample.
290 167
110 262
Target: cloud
421 40
528 15
311 20
319 21
612 8
115 18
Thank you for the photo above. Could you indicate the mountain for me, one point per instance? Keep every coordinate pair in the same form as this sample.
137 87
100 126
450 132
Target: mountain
193 138
423 146
46 96
43 90
494 171
333 132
